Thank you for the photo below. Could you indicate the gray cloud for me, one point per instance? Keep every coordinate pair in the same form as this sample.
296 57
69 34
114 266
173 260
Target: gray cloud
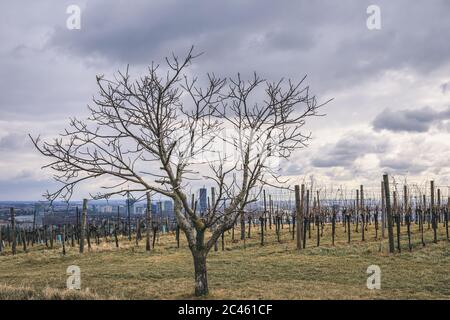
24 189
323 38
14 141
349 148
409 120
52 69
402 165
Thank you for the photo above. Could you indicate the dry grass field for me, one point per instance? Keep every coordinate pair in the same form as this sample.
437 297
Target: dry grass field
242 271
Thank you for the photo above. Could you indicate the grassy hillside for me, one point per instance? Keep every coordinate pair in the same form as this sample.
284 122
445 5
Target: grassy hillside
242 271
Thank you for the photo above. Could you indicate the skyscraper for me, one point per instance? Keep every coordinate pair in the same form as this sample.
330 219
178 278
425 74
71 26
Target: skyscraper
203 202
168 207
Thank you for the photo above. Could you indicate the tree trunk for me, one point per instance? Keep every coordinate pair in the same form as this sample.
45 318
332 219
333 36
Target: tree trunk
201 277
242 225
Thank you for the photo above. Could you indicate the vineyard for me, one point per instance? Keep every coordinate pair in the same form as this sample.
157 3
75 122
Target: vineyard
264 254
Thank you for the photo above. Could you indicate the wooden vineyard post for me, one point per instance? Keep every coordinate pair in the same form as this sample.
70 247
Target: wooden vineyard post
446 212
321 215
138 231
383 211
317 217
51 236
270 211
292 219
34 228
45 236
376 213
305 218
349 235
438 207
265 210
308 215
333 225
223 241
408 213
129 216
115 235
118 218
261 221
361 206
148 222
241 214
445 217
83 225
77 226
408 226
13 231
277 227
423 213
64 240
24 240
88 235
387 198
433 212
155 231
1 240
299 214
357 210
213 198
419 216
397 219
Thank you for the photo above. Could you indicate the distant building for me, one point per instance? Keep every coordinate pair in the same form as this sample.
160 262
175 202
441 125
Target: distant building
140 210
106 209
158 208
155 208
168 207
203 202
130 204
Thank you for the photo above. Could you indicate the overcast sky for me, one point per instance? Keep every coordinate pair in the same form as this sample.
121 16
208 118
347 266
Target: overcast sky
391 87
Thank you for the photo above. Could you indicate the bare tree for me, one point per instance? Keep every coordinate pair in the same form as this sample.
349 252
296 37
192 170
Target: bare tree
162 131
